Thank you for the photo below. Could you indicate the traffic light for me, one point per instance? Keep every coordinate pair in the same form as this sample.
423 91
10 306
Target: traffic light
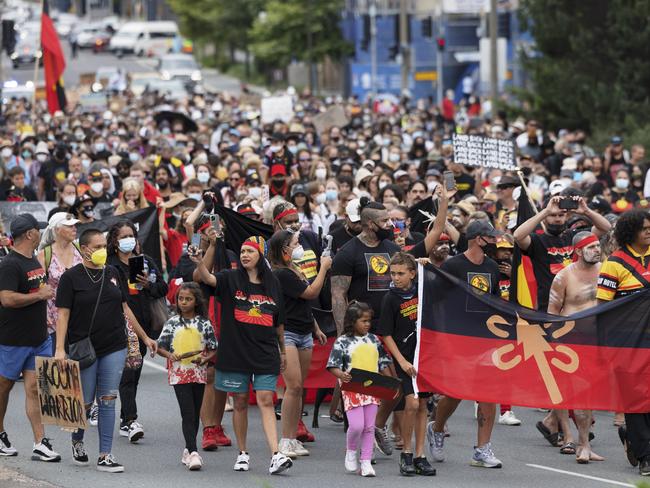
427 27
440 41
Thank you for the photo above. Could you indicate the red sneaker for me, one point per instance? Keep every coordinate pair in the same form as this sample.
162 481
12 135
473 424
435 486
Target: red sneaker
209 442
302 434
220 436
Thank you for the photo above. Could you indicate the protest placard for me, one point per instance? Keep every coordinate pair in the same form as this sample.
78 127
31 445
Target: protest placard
92 102
334 117
487 152
277 108
60 396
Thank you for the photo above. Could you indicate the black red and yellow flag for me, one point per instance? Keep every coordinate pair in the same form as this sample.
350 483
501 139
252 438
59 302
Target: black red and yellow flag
523 285
476 346
53 62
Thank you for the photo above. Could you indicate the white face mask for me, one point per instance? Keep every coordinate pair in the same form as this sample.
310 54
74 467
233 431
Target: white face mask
255 192
320 198
6 152
97 187
85 163
394 157
41 157
203 176
195 196
382 185
622 183
297 254
431 186
69 200
321 173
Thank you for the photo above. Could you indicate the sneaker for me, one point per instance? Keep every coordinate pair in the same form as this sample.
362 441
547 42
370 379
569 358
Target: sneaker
195 462
382 441
436 443
508 418
302 434
5 446
351 463
93 415
285 447
43 452
484 457
644 466
220 436
185 458
423 468
242 462
279 463
298 448
406 467
367 469
136 432
124 430
79 455
107 464
278 410
209 441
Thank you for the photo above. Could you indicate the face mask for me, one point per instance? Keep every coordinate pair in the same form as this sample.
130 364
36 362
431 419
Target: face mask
69 200
275 149
98 257
293 149
278 184
386 142
97 187
203 176
126 244
100 146
80 136
321 173
6 152
320 198
555 229
27 155
255 192
195 196
495 181
394 157
490 248
41 157
88 213
622 183
331 195
431 186
134 157
383 234
382 185
297 254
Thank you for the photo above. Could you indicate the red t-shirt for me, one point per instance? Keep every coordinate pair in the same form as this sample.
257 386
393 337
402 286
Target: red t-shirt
174 246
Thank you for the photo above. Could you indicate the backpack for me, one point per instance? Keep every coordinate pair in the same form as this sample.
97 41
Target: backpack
47 254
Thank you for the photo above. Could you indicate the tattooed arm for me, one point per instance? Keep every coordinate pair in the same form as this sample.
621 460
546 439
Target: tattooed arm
340 287
558 292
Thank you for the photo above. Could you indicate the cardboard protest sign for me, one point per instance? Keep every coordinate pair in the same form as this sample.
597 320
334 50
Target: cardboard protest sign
488 152
373 384
333 117
59 393
93 102
277 108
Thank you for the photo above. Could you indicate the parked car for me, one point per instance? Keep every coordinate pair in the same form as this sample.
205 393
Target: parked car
26 51
140 81
86 35
102 40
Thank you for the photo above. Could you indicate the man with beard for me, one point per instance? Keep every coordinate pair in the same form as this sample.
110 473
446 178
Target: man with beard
162 179
573 290
551 251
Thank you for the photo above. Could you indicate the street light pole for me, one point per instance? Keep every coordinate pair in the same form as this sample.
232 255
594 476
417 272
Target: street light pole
439 54
494 76
372 12
405 50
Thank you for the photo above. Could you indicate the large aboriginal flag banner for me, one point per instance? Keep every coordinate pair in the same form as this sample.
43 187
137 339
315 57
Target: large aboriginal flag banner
479 347
53 62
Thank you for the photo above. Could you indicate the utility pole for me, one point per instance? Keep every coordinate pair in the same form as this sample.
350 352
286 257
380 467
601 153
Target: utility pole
494 76
439 55
372 12
310 48
405 50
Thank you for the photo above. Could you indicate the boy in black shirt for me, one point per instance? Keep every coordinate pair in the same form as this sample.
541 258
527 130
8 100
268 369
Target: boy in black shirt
397 325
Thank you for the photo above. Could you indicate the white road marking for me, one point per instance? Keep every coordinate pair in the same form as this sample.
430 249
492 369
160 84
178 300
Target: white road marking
157 366
585 476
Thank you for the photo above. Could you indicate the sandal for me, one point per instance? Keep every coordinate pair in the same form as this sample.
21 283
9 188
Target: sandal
337 417
568 448
552 438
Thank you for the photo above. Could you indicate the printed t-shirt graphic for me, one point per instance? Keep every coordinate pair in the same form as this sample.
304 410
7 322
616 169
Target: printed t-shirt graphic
252 310
378 276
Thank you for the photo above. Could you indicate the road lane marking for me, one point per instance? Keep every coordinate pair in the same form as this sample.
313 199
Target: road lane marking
585 476
157 366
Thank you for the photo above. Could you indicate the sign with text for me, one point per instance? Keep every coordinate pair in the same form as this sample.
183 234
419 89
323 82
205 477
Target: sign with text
60 396
487 152
333 117
277 108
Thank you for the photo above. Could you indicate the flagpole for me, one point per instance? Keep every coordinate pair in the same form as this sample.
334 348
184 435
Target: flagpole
530 200
36 61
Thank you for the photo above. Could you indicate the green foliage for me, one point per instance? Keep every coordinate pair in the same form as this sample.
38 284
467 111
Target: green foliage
590 68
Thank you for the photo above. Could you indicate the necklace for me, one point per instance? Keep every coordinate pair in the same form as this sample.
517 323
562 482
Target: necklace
94 279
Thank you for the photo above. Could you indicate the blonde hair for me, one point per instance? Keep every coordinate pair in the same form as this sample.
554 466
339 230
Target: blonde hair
131 184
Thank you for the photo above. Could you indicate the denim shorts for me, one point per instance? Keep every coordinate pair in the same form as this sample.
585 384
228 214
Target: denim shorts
237 382
16 359
299 341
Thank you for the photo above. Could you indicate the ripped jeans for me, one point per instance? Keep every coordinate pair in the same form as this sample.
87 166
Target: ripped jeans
101 381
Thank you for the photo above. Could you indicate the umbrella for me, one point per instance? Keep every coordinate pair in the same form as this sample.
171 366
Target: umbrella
188 124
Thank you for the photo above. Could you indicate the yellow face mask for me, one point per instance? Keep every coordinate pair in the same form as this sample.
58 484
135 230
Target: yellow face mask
98 257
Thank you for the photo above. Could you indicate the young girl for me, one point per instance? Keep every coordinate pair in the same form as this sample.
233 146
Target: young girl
188 342
357 348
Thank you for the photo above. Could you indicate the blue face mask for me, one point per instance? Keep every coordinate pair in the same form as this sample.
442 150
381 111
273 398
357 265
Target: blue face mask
331 195
127 244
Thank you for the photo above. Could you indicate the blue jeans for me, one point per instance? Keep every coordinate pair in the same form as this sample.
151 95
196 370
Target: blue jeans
98 381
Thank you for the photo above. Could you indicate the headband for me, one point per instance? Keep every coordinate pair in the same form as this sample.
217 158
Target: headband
256 242
204 226
284 213
590 239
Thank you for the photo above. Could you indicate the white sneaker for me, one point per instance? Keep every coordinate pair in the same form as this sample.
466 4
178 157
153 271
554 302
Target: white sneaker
367 469
435 443
108 464
93 415
43 452
124 430
475 410
285 447
484 457
508 418
242 462
351 463
136 432
298 448
195 461
5 446
279 463
185 458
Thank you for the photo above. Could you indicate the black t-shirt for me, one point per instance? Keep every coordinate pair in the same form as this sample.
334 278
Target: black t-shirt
248 342
484 276
77 292
299 318
399 315
465 185
53 173
25 326
549 255
369 269
413 239
340 237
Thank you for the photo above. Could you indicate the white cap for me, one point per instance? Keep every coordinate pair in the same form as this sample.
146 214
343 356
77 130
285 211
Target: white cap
556 187
352 210
399 173
570 163
61 218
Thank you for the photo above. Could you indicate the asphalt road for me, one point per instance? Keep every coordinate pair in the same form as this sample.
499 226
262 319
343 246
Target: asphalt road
155 461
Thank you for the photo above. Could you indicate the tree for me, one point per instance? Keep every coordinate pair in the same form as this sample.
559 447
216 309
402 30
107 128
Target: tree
590 68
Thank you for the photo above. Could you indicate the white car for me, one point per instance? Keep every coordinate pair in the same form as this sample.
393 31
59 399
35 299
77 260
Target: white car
86 35
179 67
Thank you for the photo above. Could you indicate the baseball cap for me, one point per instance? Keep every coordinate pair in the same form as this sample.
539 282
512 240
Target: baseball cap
503 243
299 188
278 169
62 218
556 187
508 181
481 228
352 210
23 223
400 173
433 172
616 140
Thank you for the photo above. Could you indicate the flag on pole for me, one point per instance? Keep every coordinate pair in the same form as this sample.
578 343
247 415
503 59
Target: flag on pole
523 286
53 62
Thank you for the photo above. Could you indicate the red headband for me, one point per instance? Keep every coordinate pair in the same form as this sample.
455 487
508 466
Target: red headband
256 243
289 211
204 226
583 243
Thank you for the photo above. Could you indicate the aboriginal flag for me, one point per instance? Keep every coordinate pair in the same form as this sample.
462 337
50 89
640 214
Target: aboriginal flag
238 228
53 62
476 346
523 286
